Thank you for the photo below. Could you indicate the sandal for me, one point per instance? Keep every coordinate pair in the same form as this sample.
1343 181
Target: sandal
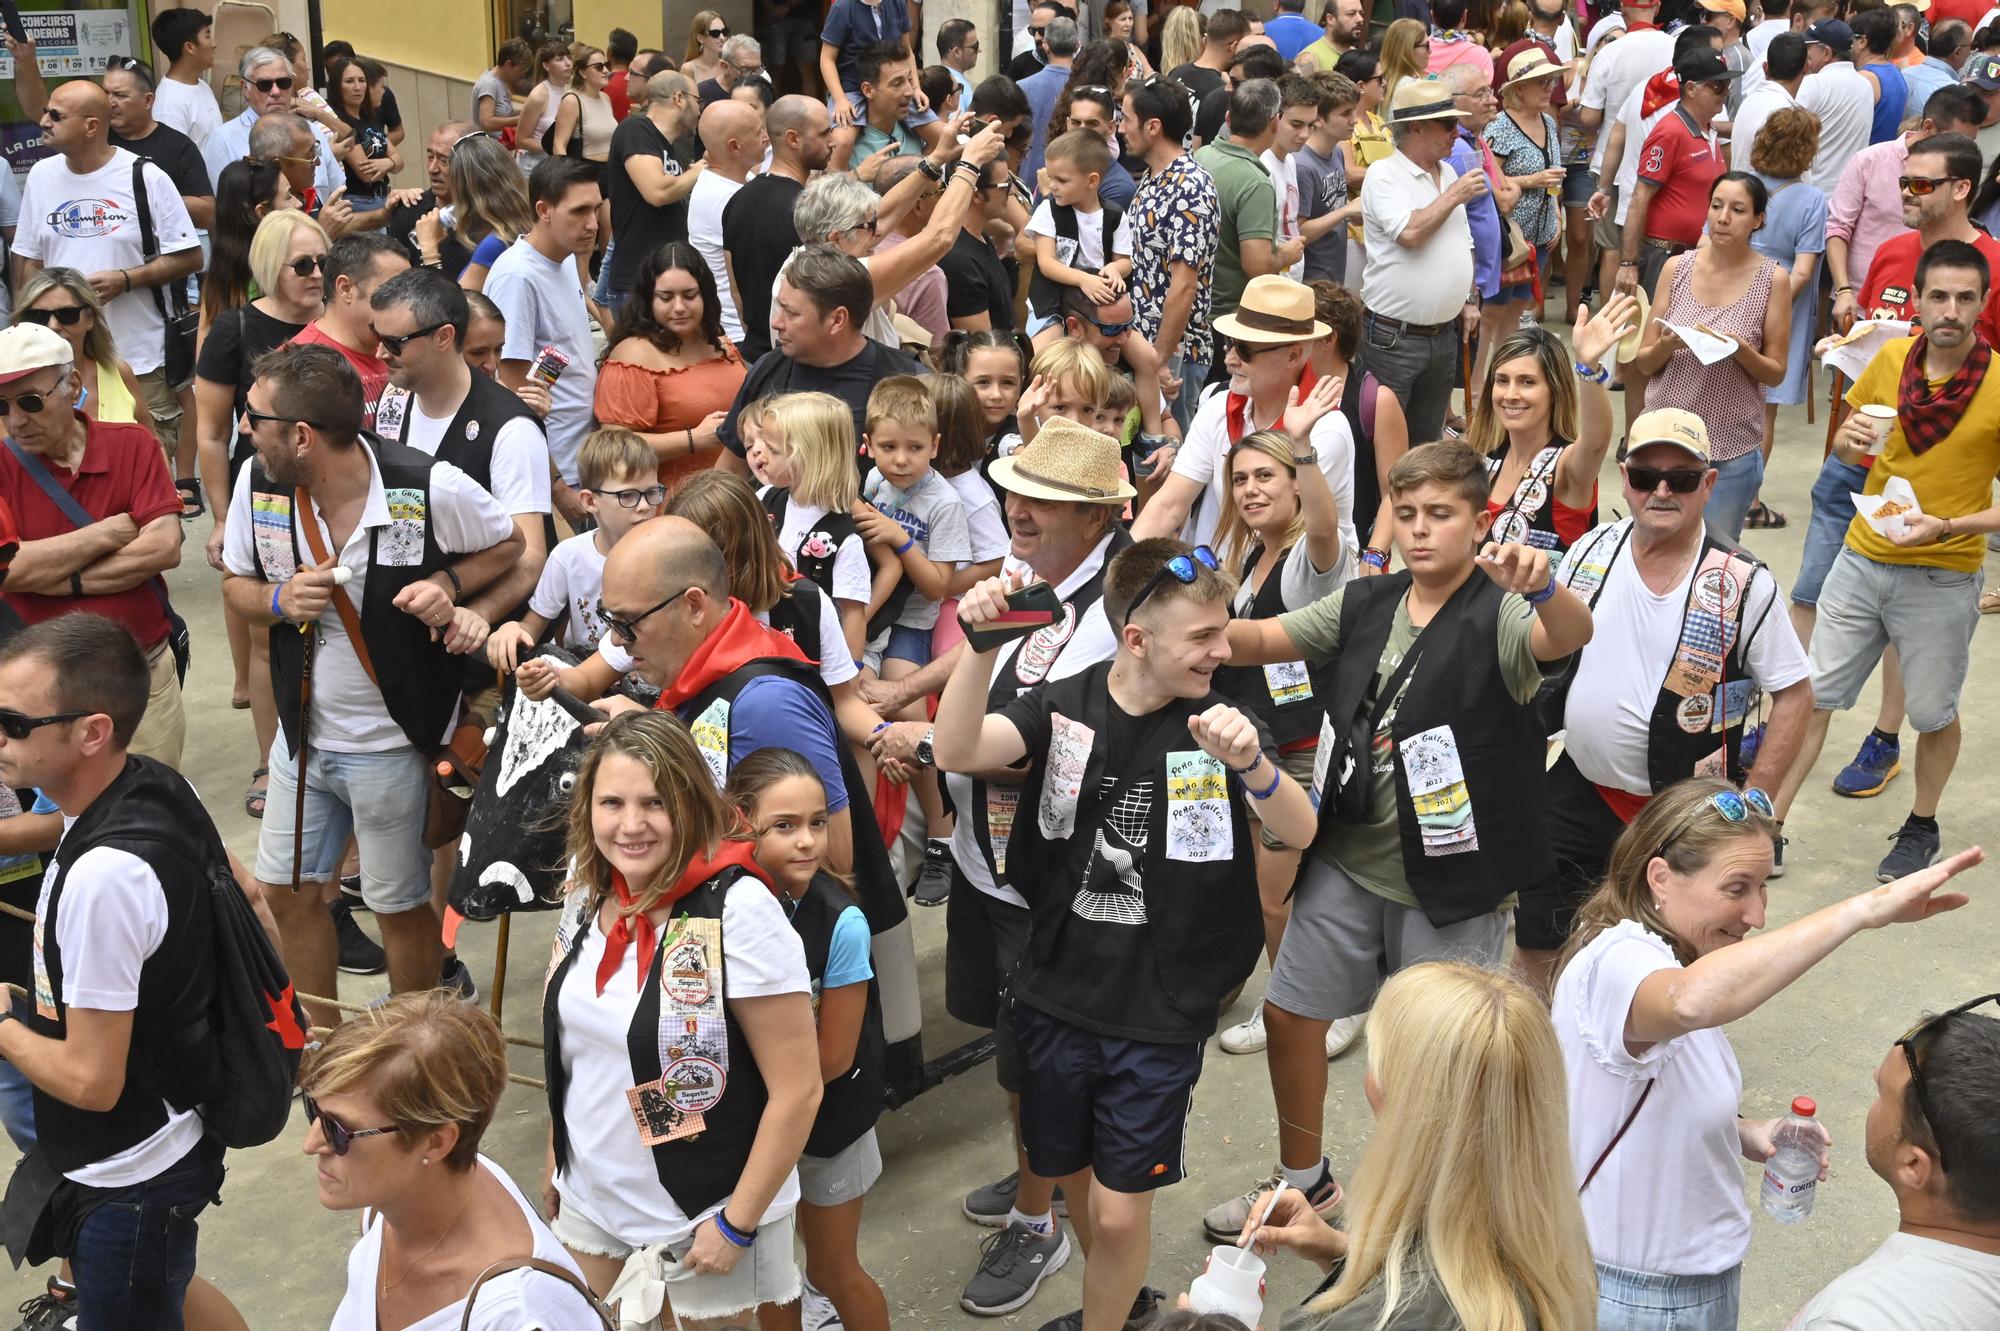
1762 516
192 505
1989 601
253 798
239 702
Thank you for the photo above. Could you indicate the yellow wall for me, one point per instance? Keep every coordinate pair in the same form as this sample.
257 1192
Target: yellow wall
449 37
596 18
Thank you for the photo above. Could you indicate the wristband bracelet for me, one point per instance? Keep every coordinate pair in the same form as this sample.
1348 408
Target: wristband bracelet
1595 374
736 1238
690 435
907 543
276 613
457 587
932 171
1375 559
1538 598
1628 263
1277 773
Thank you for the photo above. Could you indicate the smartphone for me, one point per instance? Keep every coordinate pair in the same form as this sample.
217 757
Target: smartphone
974 126
1028 608
11 16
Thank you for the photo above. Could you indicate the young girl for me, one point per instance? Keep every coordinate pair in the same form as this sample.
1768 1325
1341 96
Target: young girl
806 451
780 795
961 448
995 363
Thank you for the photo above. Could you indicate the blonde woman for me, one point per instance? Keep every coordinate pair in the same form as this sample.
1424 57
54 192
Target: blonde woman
396 1102
585 103
704 49
1662 958
696 1214
1462 1213
1406 54
63 299
1180 37
489 208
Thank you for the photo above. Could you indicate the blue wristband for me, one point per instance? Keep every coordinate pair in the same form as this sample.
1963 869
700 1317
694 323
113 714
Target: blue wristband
276 613
1537 598
1596 374
907 543
735 1237
1261 795
1375 559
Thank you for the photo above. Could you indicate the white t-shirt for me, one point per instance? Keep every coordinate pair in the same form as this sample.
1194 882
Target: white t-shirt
1620 673
1841 97
704 223
114 916
1204 458
1285 184
1637 127
544 307
1912 1283
853 578
1687 1219
1089 255
519 468
10 215
568 590
1425 285
91 223
1617 69
190 108
505 1303
619 1190
348 714
984 521
1759 105
836 667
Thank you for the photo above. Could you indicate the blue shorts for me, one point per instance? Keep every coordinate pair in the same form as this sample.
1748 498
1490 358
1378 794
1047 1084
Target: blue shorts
1578 185
379 798
859 106
1114 1106
1826 531
899 643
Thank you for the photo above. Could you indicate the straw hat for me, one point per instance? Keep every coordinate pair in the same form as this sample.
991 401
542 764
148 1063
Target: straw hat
1422 99
1274 311
1628 345
1531 64
1066 464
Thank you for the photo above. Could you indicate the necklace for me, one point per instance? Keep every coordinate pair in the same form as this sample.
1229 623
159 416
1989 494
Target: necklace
428 1251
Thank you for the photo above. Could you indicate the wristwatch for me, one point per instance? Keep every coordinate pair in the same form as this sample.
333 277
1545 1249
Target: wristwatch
924 755
1306 459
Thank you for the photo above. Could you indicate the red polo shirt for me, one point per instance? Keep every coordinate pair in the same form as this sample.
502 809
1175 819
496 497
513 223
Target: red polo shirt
123 471
1683 163
1892 281
374 371
618 89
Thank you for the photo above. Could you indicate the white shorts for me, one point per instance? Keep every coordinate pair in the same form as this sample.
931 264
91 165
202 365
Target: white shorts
767 1272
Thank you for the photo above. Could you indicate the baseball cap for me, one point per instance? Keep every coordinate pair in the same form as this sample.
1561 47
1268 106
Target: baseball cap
25 348
1830 32
1984 73
1670 425
1733 8
1702 65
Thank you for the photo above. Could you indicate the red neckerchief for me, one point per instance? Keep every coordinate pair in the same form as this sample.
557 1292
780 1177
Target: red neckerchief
1237 413
737 641
635 927
1929 414
1661 89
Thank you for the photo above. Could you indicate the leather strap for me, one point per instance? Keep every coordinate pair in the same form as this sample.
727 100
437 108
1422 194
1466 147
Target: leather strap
349 620
1616 1137
506 1264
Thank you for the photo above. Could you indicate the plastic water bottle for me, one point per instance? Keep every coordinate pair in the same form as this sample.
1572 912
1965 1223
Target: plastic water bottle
1791 1176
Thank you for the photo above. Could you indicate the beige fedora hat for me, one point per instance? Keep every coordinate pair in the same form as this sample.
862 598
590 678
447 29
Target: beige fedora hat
1422 99
1274 310
1066 464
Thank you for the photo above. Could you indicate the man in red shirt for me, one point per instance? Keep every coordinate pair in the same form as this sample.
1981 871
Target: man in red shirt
355 266
111 564
1677 166
1938 183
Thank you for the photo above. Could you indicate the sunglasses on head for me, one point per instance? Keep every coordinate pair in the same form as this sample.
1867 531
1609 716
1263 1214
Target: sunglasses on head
1183 569
395 342
66 315
651 496
308 264
16 726
1921 185
282 83
628 629
1734 806
338 1135
1908 1044
1679 480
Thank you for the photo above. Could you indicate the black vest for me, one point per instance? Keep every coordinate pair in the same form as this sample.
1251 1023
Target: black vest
676 1072
1290 696
1456 683
1045 293
151 812
1528 516
798 615
851 1102
817 550
419 679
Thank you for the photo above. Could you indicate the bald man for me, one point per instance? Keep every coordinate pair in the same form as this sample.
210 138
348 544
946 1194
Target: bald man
652 171
733 139
757 231
78 211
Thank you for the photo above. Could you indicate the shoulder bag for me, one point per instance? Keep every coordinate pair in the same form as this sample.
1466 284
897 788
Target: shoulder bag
183 321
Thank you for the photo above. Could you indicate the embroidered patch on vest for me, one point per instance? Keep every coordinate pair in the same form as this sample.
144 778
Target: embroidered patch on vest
711 736
1001 802
1288 681
1438 794
271 532
391 410
1040 649
694 1037
1062 779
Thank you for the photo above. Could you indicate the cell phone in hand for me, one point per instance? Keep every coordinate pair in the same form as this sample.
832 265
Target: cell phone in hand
1028 608
11 16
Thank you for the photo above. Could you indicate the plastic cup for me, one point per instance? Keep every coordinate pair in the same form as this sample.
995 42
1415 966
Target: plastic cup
1232 1284
1881 419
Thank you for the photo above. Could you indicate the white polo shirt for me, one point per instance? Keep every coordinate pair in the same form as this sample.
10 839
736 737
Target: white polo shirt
1759 105
1425 285
1840 95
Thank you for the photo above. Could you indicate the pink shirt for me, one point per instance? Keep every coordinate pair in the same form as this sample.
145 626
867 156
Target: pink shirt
1867 204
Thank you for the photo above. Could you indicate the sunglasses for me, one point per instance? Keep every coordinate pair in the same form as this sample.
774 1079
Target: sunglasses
1182 568
1112 330
718 32
597 64
283 84
32 404
308 264
66 315
1679 480
1247 350
1734 806
1908 1044
651 496
253 418
16 726
57 117
338 1135
1921 185
628 629
395 342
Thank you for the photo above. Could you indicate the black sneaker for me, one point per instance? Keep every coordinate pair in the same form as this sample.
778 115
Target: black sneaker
350 888
1144 1308
54 1310
359 954
1916 846
457 976
1012 1265
993 1204
934 883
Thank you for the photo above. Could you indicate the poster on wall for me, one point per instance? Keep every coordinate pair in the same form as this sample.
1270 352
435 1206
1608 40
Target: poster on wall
69 43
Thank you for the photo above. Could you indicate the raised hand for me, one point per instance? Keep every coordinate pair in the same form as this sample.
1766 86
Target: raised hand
1915 897
1521 569
1226 735
1592 336
1302 413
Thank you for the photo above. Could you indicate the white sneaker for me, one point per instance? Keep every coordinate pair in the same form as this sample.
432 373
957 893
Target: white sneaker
816 1310
1340 1036
1246 1037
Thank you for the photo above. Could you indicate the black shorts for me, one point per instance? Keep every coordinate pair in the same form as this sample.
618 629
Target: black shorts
985 941
1582 829
1114 1106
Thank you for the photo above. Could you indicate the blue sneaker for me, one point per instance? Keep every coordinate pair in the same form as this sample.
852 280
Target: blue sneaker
1873 768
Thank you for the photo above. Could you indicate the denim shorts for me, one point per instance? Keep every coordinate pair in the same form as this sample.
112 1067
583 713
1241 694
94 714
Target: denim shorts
1737 481
1578 185
1826 531
1929 613
899 643
859 105
1642 1301
378 798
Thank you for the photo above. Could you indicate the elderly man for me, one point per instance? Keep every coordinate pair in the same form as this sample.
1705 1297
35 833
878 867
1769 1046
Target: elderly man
649 179
1951 47
98 518
434 242
1418 282
742 58
268 83
1647 704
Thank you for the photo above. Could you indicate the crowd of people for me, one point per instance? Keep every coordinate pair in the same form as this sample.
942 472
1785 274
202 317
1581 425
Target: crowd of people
1076 465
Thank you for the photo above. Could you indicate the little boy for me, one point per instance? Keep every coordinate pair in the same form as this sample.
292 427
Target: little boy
1129 828
917 535
620 475
1079 240
1428 778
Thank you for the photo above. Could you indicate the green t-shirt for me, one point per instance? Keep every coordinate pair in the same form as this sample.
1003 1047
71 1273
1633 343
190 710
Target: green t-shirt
873 140
1248 208
1371 852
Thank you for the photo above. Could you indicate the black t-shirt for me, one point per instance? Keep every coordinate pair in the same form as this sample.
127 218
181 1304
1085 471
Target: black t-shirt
1209 116
1197 79
710 92
452 255
387 113
174 153
640 227
850 381
977 281
234 342
757 231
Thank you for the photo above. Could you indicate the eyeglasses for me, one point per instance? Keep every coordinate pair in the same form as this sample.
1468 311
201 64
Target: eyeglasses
1182 568
282 84
17 726
628 629
31 403
338 1135
1921 185
651 496
308 264
1908 1044
66 315
395 342
1734 806
1679 480
304 161
872 225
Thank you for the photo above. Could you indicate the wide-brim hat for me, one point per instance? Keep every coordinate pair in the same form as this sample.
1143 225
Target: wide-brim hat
1628 345
1066 463
28 347
1532 64
1274 312
1421 99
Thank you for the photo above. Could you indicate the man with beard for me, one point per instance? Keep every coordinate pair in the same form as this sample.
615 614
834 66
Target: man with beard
650 178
